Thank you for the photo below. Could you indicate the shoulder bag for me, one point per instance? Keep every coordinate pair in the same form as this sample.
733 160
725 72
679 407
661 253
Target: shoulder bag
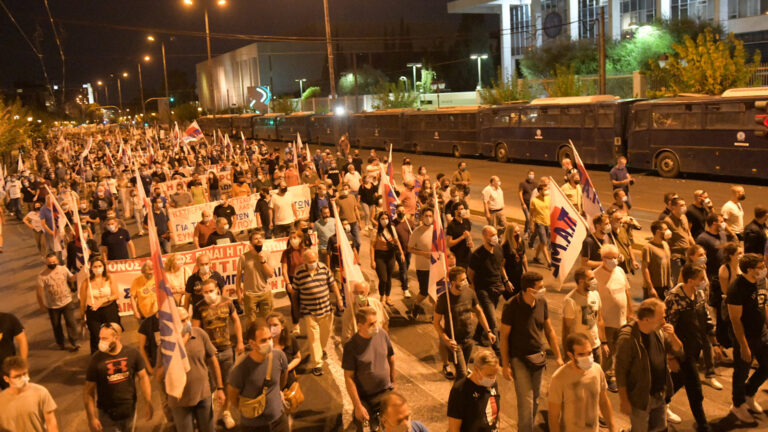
254 407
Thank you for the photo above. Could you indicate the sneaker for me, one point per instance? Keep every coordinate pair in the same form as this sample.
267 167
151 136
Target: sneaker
713 382
742 413
317 371
612 387
447 372
407 294
672 417
753 406
229 422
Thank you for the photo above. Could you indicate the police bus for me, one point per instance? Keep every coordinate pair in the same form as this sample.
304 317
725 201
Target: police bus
377 129
450 131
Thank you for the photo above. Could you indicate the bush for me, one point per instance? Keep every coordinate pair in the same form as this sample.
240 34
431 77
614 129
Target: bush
390 95
505 90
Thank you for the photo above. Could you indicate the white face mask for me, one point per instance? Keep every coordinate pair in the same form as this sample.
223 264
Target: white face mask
487 382
667 234
762 273
700 261
211 298
495 240
611 263
312 265
112 228
105 346
384 222
606 229
295 242
592 284
204 269
585 363
265 348
98 270
723 226
20 382
464 213
373 330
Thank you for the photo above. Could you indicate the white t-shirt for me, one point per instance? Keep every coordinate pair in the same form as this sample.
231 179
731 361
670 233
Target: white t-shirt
583 310
494 197
421 239
612 286
281 205
14 189
733 213
354 180
25 412
34 219
579 396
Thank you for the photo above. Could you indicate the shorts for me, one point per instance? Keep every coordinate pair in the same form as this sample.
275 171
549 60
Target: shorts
542 233
423 277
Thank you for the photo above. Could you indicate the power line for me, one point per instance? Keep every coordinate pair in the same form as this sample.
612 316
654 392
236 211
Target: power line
31 45
61 53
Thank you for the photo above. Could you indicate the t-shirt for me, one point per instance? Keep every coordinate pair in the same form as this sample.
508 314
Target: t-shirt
226 211
195 285
612 287
369 360
657 360
678 243
476 406
590 249
199 350
527 187
346 206
10 327
487 268
262 209
712 244
752 301
143 291
248 378
150 328
114 376
26 411
56 292
324 230
733 213
697 219
460 250
539 210
494 197
220 239
116 244
282 209
657 259
583 309
314 290
353 179
578 393
462 313
214 319
527 335
252 272
421 238
620 174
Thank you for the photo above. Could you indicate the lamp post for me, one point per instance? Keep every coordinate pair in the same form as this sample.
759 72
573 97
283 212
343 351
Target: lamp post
141 87
165 70
211 81
100 83
405 80
301 86
119 89
414 66
479 58
329 48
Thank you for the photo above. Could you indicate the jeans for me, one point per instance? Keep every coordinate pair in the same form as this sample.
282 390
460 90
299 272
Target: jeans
354 229
138 214
42 247
688 376
527 226
461 360
528 388
226 360
366 214
652 419
257 305
676 265
318 332
743 387
279 425
165 245
282 230
403 267
488 300
14 205
385 268
215 194
185 417
109 425
498 221
70 320
611 333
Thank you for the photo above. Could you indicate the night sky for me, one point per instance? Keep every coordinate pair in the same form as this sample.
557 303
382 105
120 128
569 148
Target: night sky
93 51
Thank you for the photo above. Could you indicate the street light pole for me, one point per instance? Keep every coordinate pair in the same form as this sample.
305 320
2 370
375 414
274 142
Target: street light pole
414 66
165 71
120 95
301 86
329 48
211 84
479 58
141 93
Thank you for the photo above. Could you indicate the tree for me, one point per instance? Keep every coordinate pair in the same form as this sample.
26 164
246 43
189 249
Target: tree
14 127
425 85
565 83
390 95
283 105
708 65
310 93
185 112
367 79
504 90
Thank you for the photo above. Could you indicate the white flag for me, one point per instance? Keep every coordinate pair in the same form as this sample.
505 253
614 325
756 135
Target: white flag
350 269
567 232
590 202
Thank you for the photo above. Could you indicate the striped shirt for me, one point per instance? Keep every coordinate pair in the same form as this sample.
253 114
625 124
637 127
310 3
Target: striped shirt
314 290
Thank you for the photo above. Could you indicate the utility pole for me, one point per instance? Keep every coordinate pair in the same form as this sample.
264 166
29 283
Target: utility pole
165 71
601 52
141 94
120 95
211 80
329 47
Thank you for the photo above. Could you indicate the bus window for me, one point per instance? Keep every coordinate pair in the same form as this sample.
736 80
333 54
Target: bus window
725 116
677 117
640 120
502 119
549 117
529 117
605 117
570 117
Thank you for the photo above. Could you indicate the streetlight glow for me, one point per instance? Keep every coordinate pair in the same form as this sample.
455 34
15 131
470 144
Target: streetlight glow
479 58
99 83
29 119
147 58
125 74
151 38
222 2
188 2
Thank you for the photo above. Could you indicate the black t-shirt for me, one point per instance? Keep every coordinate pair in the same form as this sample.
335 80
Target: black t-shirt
527 187
527 335
462 252
476 406
216 238
116 244
194 286
368 195
697 219
487 268
114 376
334 175
513 262
150 328
657 359
712 244
102 205
10 327
590 249
213 183
462 314
225 211
161 222
752 301
262 209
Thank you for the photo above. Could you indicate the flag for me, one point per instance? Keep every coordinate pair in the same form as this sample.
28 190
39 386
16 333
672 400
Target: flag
172 350
193 132
387 192
389 167
83 255
58 215
590 201
567 232
20 166
438 268
349 268
245 144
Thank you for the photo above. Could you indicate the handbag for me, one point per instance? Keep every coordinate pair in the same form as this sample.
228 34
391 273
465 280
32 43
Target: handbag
292 398
254 407
536 361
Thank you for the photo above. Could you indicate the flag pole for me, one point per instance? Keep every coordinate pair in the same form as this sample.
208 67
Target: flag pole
438 223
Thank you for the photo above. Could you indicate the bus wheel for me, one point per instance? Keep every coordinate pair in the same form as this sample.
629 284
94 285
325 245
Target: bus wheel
667 165
564 152
455 151
501 152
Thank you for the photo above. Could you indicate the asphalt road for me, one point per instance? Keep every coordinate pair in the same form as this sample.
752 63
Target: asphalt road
327 407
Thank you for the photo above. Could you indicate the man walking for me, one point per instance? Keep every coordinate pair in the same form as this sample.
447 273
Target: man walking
251 279
493 204
26 406
55 297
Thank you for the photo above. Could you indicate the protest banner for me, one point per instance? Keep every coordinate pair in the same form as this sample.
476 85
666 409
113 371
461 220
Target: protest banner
223 260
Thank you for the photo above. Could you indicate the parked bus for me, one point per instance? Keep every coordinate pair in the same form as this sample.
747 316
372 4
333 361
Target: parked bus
265 127
700 134
244 123
295 123
377 129
327 129
452 131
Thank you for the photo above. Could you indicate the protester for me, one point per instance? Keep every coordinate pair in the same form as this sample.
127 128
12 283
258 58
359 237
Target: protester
513 251
473 404
733 212
756 232
26 406
98 300
203 229
251 280
32 220
283 341
290 260
620 177
656 262
116 243
539 211
493 204
582 314
385 246
143 294
420 247
396 415
14 341
222 235
459 235
194 285
176 274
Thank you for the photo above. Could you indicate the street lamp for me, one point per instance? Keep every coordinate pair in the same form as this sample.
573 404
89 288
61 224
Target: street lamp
151 38
141 85
479 58
211 83
119 88
414 66
301 86
405 80
100 83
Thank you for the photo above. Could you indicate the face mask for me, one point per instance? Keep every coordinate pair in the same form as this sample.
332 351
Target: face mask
384 222
112 228
101 195
592 285
762 274
186 328
611 263
723 226
105 346
20 382
707 202
531 177
700 261
204 269
625 198
211 298
295 242
362 300
312 265
373 329
703 285
226 227
265 348
495 240
464 213
606 229
98 270
347 228
275 331
464 285
52 266
257 247
683 209
585 363
667 234
742 197
283 189
487 382
400 215
206 220
83 206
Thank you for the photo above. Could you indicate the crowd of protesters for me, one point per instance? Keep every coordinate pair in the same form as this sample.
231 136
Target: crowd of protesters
703 271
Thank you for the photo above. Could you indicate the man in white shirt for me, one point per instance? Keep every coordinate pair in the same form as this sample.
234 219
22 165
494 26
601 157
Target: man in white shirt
353 179
733 212
582 313
13 187
26 406
284 210
493 203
